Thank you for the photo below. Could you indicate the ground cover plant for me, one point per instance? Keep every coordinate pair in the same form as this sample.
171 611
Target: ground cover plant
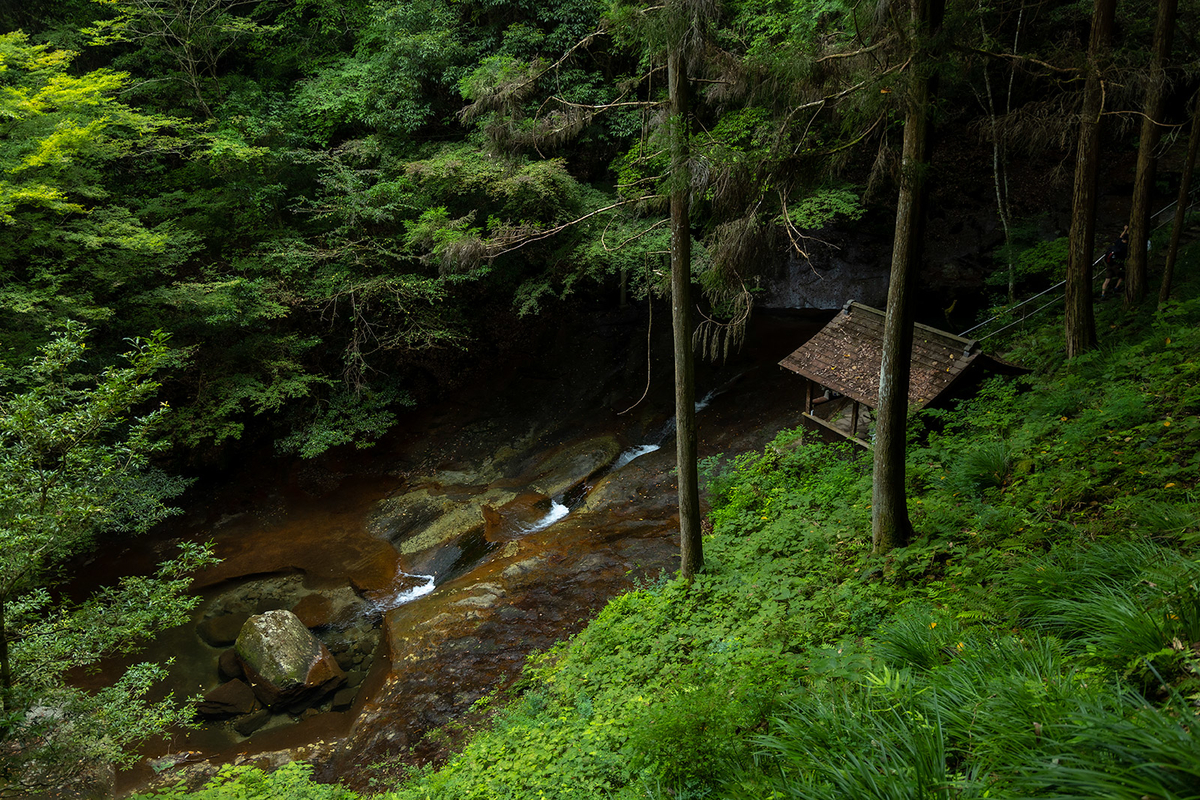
1039 637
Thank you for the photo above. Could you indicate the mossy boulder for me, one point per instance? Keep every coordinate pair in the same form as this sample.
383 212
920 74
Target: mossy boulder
288 668
421 520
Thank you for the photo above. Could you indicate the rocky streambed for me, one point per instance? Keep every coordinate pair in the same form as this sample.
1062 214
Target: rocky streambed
429 566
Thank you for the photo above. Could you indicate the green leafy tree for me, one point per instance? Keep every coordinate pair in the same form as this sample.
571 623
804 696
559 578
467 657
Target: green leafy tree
193 35
69 247
74 470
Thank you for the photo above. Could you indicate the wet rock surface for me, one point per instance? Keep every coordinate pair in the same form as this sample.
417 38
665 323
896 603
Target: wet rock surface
228 666
231 699
531 506
286 666
472 635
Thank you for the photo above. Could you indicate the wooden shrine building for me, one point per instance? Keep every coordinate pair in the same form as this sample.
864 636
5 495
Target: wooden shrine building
843 358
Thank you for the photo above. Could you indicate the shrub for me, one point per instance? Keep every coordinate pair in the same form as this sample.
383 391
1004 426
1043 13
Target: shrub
292 781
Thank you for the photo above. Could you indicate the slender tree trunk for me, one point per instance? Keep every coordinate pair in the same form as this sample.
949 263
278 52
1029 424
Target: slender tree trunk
1080 321
1147 163
998 175
5 665
1181 205
890 526
1001 207
691 551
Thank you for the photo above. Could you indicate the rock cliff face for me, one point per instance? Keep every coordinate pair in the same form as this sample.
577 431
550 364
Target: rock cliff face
286 665
844 264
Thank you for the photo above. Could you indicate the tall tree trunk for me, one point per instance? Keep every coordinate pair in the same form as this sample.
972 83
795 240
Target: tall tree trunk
1079 319
890 526
1181 205
999 177
691 552
1147 163
5 665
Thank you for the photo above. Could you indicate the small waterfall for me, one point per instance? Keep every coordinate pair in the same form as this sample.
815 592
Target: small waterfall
389 602
557 511
632 453
668 428
559 507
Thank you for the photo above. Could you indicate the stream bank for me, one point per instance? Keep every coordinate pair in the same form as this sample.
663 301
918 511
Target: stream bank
433 563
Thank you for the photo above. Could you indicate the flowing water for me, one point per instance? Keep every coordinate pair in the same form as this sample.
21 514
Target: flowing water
478 530
635 452
557 511
404 595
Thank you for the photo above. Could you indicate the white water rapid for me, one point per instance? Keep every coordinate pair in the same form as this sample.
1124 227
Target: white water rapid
557 511
632 453
389 602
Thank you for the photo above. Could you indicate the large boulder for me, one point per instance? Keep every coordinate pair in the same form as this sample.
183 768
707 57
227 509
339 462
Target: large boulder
424 519
574 463
229 668
288 668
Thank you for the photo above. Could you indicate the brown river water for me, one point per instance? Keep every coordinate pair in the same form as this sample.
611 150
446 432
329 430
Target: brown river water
482 528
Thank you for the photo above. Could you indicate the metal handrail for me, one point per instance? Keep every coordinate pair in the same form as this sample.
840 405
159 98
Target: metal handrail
1171 204
989 321
1022 319
1055 287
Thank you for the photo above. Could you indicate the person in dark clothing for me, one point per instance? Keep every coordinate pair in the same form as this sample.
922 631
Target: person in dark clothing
1114 263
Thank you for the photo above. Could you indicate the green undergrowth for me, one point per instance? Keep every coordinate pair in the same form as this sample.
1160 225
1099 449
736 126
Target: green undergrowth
1039 636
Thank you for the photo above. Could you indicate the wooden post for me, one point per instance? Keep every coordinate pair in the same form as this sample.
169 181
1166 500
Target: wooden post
854 421
808 396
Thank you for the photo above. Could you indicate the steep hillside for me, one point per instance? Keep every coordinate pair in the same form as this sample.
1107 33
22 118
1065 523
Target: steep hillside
1041 637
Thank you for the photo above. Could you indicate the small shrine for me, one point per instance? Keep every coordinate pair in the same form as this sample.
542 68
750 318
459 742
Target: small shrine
840 365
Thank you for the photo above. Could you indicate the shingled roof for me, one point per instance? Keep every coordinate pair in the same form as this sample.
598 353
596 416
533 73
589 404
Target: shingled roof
845 356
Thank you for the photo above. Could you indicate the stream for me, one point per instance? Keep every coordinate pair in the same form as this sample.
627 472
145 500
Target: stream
480 529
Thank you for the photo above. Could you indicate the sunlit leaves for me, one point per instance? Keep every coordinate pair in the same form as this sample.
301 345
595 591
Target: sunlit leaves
62 474
63 232
32 194
823 206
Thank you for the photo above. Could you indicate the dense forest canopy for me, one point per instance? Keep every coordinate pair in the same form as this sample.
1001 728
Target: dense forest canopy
307 213
315 198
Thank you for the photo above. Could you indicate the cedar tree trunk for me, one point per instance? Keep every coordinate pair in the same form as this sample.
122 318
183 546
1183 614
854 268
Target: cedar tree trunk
1143 185
1185 188
691 553
1079 319
890 526
5 666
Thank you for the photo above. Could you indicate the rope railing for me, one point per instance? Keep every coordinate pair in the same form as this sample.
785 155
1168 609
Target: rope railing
1009 311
